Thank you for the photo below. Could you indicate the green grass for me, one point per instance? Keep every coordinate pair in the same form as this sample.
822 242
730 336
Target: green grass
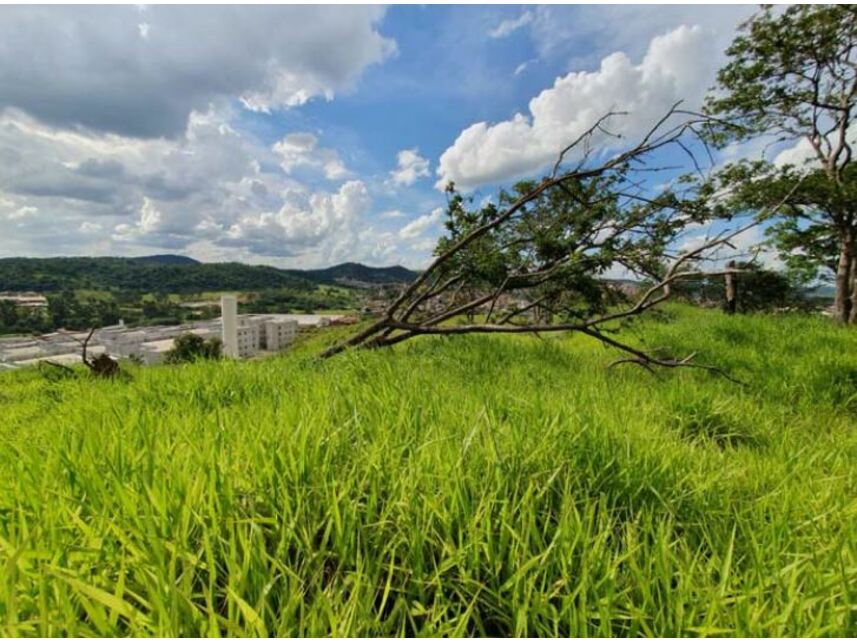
466 486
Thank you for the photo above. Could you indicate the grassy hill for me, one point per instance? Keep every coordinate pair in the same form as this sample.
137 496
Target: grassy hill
481 485
175 274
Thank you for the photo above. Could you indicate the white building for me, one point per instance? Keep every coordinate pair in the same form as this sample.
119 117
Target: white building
248 340
279 333
229 325
243 336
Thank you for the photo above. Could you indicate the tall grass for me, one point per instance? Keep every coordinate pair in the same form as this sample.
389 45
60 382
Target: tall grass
469 486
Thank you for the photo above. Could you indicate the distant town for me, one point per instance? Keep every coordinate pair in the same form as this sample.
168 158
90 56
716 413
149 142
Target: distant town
243 336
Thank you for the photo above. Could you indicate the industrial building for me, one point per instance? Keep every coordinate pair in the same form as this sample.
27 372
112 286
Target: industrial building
243 336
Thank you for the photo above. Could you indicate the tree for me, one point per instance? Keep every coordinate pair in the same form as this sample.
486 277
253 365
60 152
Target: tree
8 315
190 347
755 289
537 260
792 76
806 231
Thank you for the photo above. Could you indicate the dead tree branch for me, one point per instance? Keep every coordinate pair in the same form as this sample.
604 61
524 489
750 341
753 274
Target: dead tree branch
546 248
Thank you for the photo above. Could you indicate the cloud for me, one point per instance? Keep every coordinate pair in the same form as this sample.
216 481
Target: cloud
301 150
507 27
150 222
22 213
101 68
520 68
676 66
420 225
745 245
801 153
586 33
305 220
89 227
214 189
392 214
410 167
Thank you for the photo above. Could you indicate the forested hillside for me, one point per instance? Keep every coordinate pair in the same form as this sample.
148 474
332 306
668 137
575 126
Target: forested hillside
358 273
174 274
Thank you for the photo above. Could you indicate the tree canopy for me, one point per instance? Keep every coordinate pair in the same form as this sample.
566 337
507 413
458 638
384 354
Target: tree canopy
792 77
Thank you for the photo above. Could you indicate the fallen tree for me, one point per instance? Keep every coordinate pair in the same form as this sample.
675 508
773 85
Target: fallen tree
536 261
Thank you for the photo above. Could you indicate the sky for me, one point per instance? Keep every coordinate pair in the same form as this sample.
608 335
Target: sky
308 136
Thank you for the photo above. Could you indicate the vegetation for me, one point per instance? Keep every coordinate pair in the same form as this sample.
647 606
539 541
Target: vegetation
537 261
756 289
160 276
190 347
298 301
85 292
792 76
65 309
805 232
529 484
358 273
109 273
481 485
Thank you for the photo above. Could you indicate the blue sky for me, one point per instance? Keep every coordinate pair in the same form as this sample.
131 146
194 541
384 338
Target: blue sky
307 136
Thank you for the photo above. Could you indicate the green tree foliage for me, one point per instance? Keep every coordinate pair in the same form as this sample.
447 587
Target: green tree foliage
8 313
16 319
190 347
289 300
758 289
538 260
792 76
556 251
126 274
67 310
805 231
64 310
109 273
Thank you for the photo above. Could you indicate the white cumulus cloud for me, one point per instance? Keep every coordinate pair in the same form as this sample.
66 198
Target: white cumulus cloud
676 66
421 224
304 221
302 149
410 167
215 190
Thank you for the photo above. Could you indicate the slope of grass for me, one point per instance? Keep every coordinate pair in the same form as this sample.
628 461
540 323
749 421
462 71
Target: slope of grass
471 486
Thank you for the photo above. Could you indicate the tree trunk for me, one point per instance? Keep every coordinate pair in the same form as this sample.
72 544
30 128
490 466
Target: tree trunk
853 286
731 290
844 302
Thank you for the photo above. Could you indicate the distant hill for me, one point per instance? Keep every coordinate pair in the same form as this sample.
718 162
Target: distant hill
167 259
359 274
175 273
